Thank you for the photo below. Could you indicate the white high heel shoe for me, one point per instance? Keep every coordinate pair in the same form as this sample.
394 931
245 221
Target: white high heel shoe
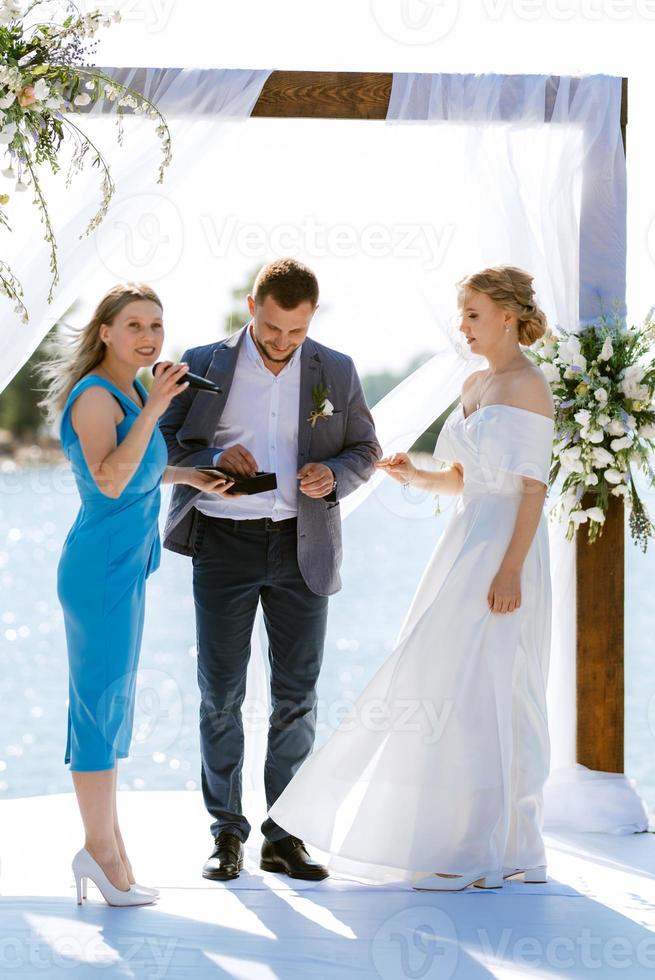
85 867
532 876
435 883
146 888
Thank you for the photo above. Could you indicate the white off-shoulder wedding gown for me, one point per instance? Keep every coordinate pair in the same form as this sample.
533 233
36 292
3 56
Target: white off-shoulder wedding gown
440 765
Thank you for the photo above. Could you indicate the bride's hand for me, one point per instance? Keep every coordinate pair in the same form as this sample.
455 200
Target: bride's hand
208 482
399 467
505 591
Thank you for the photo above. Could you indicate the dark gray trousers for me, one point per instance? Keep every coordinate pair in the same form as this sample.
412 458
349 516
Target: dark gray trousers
237 564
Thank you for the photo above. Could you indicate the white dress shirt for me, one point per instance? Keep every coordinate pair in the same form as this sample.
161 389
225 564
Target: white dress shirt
261 414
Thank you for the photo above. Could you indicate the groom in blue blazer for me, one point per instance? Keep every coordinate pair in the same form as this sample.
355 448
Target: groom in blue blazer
294 407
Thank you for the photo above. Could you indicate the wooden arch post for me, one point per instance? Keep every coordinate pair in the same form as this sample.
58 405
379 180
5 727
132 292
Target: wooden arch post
600 594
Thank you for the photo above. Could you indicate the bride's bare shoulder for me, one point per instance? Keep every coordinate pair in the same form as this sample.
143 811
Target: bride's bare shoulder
530 390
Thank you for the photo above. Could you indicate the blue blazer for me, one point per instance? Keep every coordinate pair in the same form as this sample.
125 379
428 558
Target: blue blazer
345 441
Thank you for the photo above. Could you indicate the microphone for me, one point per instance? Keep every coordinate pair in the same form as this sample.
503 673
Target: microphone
195 381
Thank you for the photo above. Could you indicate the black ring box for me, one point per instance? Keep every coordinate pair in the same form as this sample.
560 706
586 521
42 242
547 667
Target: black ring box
258 483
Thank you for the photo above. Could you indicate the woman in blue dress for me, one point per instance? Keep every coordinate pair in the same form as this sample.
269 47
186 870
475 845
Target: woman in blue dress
110 433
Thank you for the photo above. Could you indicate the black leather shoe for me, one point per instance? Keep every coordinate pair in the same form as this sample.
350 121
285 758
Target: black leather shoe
226 860
290 856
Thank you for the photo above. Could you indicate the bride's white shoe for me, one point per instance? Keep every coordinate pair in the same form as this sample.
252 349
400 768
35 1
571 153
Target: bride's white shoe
532 876
435 882
85 867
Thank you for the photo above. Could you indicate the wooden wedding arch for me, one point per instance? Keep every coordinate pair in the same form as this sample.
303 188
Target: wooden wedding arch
600 567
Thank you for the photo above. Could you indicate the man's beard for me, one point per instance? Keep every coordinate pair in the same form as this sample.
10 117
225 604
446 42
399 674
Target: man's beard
264 352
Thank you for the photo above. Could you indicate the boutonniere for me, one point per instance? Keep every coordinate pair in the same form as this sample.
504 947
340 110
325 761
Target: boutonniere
323 408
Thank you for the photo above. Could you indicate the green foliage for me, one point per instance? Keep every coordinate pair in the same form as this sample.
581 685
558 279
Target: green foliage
45 80
19 411
238 313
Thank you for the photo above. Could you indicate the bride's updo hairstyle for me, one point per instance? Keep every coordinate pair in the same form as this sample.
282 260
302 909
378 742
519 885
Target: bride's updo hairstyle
510 288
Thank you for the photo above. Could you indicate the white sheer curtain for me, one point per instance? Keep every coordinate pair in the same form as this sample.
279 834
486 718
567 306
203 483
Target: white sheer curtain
541 185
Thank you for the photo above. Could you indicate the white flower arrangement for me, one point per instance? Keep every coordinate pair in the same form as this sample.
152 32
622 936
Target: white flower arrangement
45 81
603 384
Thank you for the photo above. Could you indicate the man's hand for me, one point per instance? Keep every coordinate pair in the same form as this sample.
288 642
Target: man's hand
238 460
316 479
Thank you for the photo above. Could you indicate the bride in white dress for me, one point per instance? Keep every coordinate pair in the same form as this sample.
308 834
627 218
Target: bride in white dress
436 775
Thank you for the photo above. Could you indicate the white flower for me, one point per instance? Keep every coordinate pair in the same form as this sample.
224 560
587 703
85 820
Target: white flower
10 77
601 396
593 435
41 90
578 517
624 443
607 350
7 134
631 385
7 100
328 407
583 417
602 419
647 431
570 460
620 491
547 344
591 480
615 428
9 11
53 103
569 353
561 445
633 374
82 98
613 476
596 514
601 458
551 372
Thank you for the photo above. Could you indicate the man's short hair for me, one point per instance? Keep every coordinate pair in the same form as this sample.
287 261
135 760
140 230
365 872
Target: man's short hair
289 282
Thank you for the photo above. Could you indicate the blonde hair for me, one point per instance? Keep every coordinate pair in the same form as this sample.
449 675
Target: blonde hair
70 360
510 288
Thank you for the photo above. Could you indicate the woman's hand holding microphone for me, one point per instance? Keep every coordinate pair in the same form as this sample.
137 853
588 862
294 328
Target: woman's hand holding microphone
166 385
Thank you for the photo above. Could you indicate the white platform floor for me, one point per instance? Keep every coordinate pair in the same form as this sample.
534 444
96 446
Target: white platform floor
595 918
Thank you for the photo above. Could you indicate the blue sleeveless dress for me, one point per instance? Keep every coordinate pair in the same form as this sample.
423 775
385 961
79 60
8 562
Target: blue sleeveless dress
110 550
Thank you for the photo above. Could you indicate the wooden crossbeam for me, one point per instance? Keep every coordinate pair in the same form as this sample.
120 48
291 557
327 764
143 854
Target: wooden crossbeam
325 95
357 95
